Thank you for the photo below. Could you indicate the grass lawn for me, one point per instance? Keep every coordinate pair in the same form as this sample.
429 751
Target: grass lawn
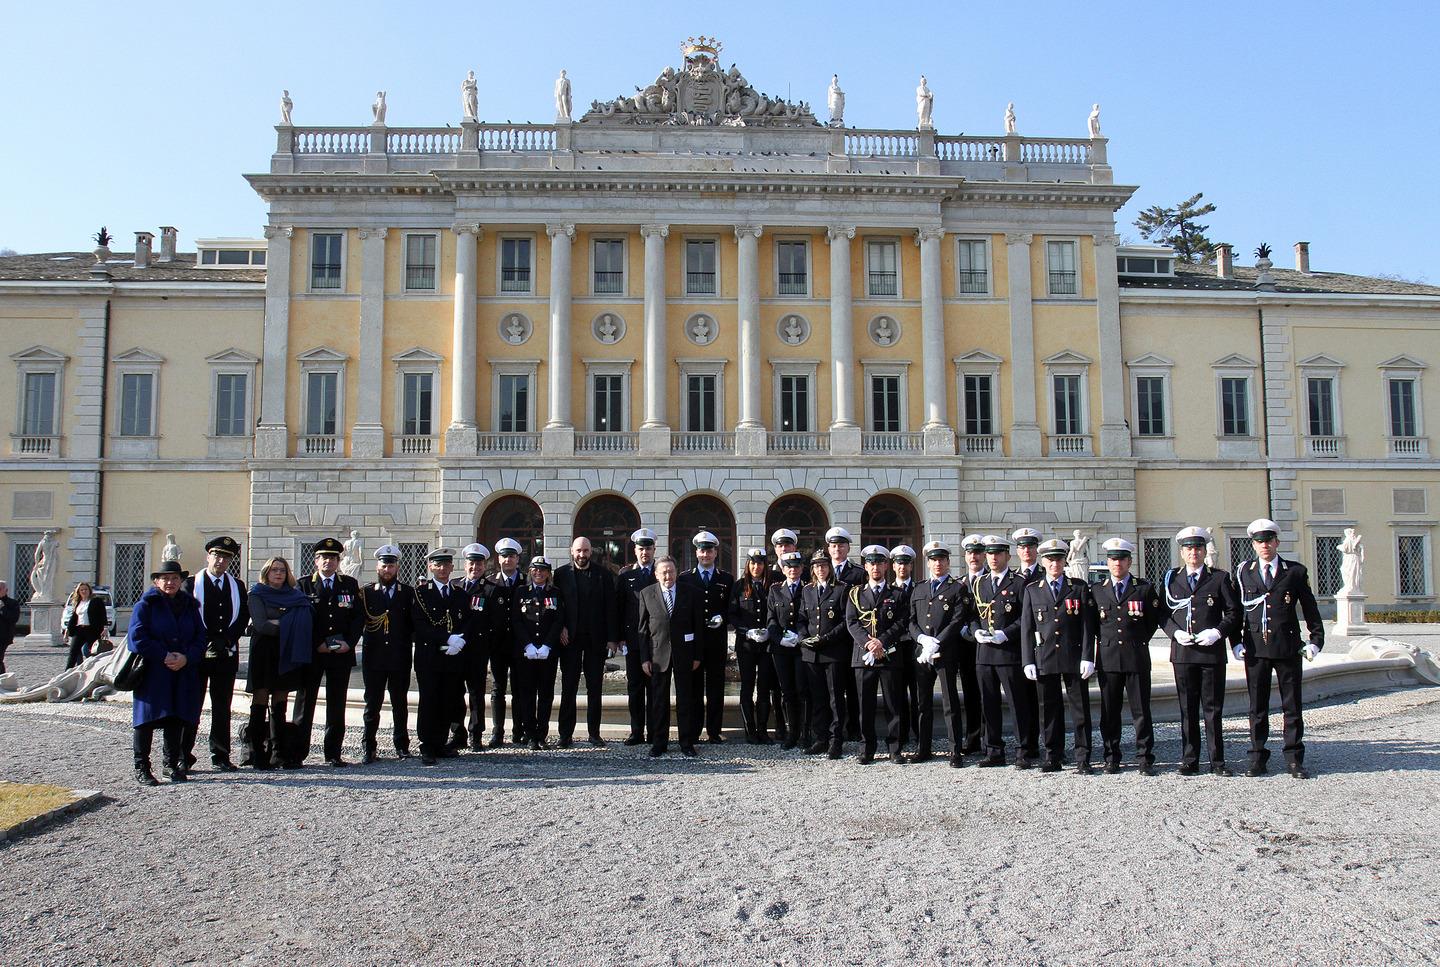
21 801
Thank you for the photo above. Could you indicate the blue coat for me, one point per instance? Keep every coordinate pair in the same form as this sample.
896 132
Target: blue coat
156 630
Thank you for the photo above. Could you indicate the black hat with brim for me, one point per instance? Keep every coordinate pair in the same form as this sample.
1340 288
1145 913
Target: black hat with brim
170 567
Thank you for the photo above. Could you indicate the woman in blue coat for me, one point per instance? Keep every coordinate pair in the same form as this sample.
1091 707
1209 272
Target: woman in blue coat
166 628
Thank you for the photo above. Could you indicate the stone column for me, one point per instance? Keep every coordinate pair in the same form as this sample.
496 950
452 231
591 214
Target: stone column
939 435
367 436
1024 428
655 430
1114 434
559 434
460 438
750 430
844 431
272 435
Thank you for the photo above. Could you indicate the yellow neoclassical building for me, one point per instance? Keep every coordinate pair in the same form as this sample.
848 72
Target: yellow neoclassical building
702 307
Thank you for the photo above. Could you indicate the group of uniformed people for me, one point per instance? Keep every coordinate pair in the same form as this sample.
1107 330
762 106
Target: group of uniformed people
822 643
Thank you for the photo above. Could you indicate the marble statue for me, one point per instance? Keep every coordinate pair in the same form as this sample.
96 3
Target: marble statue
1352 559
884 333
609 332
286 106
94 678
470 97
562 97
171 551
700 94
1210 553
701 330
1077 562
924 105
378 108
1095 121
1010 118
515 331
835 99
47 565
354 557
794 332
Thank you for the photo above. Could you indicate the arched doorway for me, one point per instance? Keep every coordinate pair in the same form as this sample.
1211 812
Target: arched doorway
801 514
697 513
888 520
518 518
608 521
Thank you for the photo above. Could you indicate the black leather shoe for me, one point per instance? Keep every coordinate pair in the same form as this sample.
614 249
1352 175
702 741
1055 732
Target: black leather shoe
292 764
498 739
368 759
836 751
1113 768
448 753
1221 769
1025 762
565 742
925 755
790 743
1049 765
145 777
688 751
764 739
656 751
819 748
971 748
190 761
536 745
1083 767
337 763
426 759
898 758
991 762
223 765
867 756
1146 769
1297 771
956 760
634 740
402 753
1189 770
597 742
716 739
1256 770
477 745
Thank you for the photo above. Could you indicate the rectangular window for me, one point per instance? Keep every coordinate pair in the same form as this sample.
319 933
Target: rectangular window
794 268
700 412
972 268
979 405
1402 408
1413 580
128 581
1235 405
322 403
1150 401
412 567
136 394
1327 565
421 253
22 556
305 562
795 404
883 276
325 261
1067 405
609 392
1157 557
419 390
609 266
700 266
1320 405
1241 550
514 403
38 412
885 404
514 265
1061 263
230 390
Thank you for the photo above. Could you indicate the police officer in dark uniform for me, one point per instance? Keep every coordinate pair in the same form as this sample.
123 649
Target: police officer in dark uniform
714 587
338 620
539 620
997 597
940 608
750 616
387 642
826 649
1202 610
1057 651
481 604
507 581
1027 549
438 619
784 629
631 580
783 541
224 608
902 565
878 623
1271 591
846 571
1129 610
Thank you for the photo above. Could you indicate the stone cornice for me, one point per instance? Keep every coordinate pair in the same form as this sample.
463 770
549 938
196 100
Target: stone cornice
1242 298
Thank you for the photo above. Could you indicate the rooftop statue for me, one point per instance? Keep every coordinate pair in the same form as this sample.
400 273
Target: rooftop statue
1010 118
562 97
924 105
286 106
378 108
1095 121
470 97
835 100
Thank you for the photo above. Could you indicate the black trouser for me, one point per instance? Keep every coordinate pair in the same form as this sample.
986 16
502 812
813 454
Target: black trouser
260 745
1021 692
1201 688
757 681
337 684
889 675
637 693
948 676
827 700
217 675
790 677
79 639
1288 673
660 707
172 731
1052 703
378 683
970 692
534 694
910 728
708 692
852 705
4 645
500 674
440 679
1115 686
587 657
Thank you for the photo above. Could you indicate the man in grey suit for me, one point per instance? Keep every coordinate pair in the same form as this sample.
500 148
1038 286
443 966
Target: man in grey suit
670 624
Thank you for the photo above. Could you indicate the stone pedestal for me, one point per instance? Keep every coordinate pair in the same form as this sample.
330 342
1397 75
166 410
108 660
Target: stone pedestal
939 441
557 441
1350 616
271 442
654 441
1025 440
45 623
845 440
367 440
461 441
751 442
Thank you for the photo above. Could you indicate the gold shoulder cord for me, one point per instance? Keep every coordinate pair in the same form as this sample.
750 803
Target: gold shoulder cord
986 608
448 622
868 620
380 622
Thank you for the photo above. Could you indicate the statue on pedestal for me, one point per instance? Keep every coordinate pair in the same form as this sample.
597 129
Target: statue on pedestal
470 97
378 108
1010 118
1077 561
562 97
1094 121
836 101
354 557
924 105
1352 559
286 106
47 565
171 551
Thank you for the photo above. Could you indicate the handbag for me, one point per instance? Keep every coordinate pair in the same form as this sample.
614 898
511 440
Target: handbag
130 674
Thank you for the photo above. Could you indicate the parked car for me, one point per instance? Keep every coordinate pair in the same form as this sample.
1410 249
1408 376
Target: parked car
101 591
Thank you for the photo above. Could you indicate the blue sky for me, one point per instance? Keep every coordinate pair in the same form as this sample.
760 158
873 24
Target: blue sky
1313 121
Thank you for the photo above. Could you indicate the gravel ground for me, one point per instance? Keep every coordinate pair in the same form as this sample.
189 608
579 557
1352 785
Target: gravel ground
746 855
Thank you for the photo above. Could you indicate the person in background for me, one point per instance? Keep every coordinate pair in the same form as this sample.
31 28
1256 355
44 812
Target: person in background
9 618
280 651
387 645
86 624
167 631
749 614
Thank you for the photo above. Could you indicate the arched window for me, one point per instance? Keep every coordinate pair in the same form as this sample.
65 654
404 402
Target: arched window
697 513
888 520
518 518
801 514
607 522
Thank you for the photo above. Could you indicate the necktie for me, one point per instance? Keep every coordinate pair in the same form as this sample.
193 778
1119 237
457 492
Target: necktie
327 584
390 592
705 578
1119 592
821 590
934 586
794 590
219 584
1055 589
1194 580
444 590
669 600
1269 575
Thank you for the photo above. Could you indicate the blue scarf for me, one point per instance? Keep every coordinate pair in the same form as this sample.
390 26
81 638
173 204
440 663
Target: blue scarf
296 646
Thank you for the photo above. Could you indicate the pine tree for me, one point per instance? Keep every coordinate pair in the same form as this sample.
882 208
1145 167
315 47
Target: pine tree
1179 228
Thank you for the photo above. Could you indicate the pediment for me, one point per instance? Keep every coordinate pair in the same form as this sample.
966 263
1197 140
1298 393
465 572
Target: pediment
40 354
322 354
1321 361
978 357
417 354
1151 359
1402 361
1235 361
1067 357
138 355
233 356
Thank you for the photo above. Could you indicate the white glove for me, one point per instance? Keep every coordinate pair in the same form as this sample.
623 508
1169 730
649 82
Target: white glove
1238 650
1208 637
1311 650
542 652
715 621
984 637
758 635
531 651
869 658
1184 637
929 642
789 639
1031 672
624 650
1087 668
997 637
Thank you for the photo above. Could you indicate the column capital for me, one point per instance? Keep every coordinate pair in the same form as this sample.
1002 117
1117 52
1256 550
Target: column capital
371 232
754 231
1107 238
1019 238
923 235
560 228
469 228
279 231
833 232
649 230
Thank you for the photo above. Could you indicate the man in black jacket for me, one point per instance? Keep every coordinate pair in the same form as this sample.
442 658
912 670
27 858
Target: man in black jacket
940 608
591 629
826 649
670 624
714 586
225 610
1129 610
539 621
481 606
385 654
628 585
784 627
336 629
9 618
1057 651
438 620
1271 592
995 629
507 580
878 616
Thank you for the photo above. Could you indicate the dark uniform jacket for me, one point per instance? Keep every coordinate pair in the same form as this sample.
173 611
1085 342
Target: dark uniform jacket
224 623
631 580
1035 575
502 627
1127 625
750 609
714 599
1057 634
851 573
941 613
434 618
592 618
823 616
539 618
1277 612
482 615
670 641
9 617
997 608
890 608
389 632
1214 605
783 613
337 615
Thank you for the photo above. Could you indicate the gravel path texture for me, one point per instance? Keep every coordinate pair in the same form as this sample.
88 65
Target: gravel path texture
744 855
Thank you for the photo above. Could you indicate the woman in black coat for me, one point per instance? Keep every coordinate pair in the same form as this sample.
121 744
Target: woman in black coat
280 649
86 624
757 672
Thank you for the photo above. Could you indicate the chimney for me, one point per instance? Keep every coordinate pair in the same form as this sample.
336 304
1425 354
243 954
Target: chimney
167 243
1302 257
1224 261
143 242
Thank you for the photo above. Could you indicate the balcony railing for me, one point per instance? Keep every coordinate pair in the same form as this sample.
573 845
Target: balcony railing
904 442
413 444
420 277
974 280
31 445
1062 283
609 283
700 283
509 442
324 276
606 442
1070 445
1325 446
797 441
794 283
318 445
979 443
696 442
514 280
883 283
1409 446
